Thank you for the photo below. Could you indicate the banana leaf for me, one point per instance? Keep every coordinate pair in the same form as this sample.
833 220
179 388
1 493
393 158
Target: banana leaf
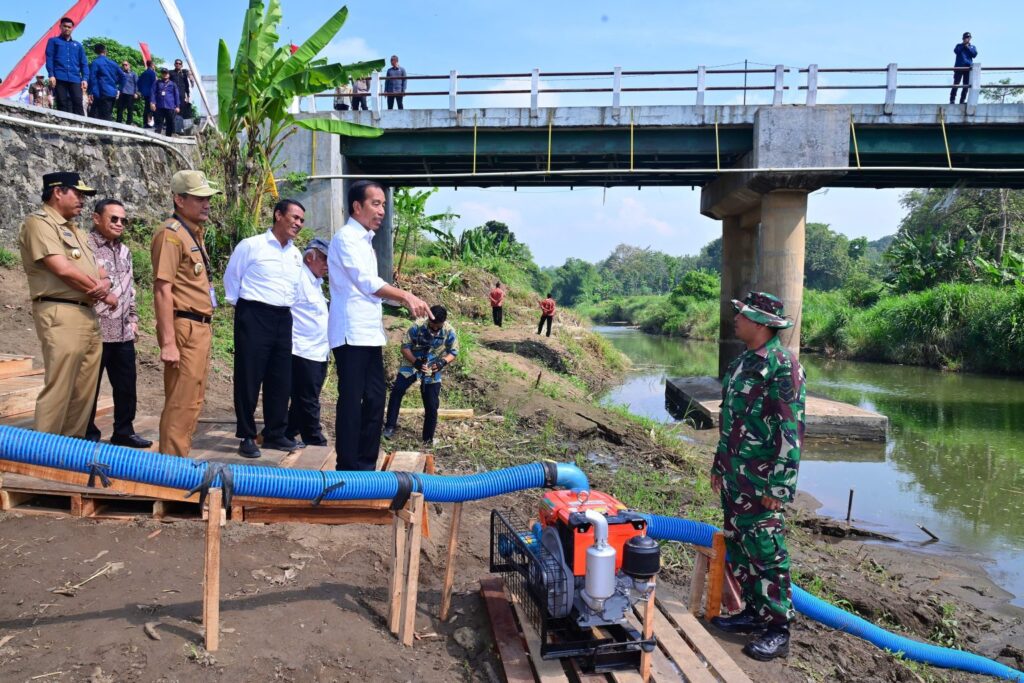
335 127
10 30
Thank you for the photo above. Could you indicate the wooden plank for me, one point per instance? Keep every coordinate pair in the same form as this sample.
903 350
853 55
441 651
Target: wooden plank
694 632
449 569
645 657
317 515
412 576
679 651
399 538
211 574
442 413
15 366
716 577
506 636
548 670
407 461
18 395
700 572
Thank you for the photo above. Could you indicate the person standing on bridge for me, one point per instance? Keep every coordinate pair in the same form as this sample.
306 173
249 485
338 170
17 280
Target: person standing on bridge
394 86
547 313
761 431
104 81
67 68
965 54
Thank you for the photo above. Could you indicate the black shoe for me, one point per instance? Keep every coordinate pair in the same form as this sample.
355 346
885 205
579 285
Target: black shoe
388 432
316 441
771 644
282 444
131 441
744 622
249 449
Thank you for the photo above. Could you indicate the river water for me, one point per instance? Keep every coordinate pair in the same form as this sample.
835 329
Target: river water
953 460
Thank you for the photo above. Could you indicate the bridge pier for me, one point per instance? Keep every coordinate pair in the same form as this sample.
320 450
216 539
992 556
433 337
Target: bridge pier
764 215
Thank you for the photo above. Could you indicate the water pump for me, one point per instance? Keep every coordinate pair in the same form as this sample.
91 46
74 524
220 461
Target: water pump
577 574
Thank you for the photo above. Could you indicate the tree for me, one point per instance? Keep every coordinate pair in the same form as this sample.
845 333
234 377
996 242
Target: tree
826 257
411 218
857 249
574 282
710 257
253 97
500 231
1003 94
121 53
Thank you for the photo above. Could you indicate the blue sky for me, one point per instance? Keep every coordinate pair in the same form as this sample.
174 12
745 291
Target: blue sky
492 37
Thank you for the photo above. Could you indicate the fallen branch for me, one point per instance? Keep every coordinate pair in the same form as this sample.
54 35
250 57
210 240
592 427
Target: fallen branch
607 432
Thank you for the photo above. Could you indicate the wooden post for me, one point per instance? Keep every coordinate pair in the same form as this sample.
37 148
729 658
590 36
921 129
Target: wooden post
399 538
211 573
412 575
645 656
449 569
716 576
700 571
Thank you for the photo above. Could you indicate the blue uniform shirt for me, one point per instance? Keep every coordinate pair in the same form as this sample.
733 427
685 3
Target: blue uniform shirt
65 60
165 95
104 77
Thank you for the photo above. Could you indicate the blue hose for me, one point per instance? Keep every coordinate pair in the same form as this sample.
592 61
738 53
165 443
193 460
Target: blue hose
699 533
62 452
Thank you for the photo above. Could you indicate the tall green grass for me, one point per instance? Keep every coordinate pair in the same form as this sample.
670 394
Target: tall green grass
657 314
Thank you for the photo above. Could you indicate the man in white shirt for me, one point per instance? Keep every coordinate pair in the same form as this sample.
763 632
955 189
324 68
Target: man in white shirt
356 328
260 281
310 349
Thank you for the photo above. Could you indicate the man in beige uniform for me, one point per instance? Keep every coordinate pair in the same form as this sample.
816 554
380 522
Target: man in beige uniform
184 302
64 282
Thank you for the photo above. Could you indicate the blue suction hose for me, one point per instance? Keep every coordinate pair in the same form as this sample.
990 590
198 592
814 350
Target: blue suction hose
61 452
699 533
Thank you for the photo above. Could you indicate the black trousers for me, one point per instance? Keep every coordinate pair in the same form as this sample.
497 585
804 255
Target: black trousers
360 412
67 96
548 318
118 360
431 395
959 76
393 98
304 412
263 358
125 105
497 314
102 108
164 119
359 102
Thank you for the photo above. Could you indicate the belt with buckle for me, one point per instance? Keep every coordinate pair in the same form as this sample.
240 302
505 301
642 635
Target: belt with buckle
188 315
56 300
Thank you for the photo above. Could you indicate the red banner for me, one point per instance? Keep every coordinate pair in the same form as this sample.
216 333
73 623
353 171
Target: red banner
25 70
146 57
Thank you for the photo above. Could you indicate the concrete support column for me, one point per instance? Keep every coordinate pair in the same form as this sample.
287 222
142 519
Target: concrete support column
383 240
780 260
739 273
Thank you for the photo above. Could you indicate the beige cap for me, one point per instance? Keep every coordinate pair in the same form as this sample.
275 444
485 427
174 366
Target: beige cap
193 183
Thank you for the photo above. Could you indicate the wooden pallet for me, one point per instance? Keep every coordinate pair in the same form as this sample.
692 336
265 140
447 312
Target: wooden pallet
12 365
685 652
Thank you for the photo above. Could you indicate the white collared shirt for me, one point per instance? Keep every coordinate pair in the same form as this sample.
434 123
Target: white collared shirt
309 318
260 269
356 316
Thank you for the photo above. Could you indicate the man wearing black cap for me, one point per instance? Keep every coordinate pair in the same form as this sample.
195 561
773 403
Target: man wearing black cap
965 54
64 283
310 348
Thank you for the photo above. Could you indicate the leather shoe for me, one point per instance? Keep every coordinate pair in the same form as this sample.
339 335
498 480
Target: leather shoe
282 444
318 441
249 449
771 644
744 622
131 441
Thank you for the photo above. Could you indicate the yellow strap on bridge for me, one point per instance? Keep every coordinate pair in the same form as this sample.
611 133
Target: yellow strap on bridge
945 140
856 149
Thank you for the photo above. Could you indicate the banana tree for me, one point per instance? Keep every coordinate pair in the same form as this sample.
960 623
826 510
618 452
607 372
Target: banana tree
255 92
10 30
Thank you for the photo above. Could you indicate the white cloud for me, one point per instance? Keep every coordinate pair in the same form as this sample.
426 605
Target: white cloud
348 50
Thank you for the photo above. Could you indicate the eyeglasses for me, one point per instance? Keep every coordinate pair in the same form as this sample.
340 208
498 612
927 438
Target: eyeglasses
119 220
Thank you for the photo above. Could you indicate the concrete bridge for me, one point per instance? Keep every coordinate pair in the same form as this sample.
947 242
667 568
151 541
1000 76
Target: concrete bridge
755 164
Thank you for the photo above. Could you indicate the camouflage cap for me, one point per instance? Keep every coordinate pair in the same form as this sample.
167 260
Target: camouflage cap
764 309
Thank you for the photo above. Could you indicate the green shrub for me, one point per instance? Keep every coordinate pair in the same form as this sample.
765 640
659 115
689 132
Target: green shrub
9 259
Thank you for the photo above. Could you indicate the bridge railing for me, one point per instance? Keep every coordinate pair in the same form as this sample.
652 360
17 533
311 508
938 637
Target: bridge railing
527 88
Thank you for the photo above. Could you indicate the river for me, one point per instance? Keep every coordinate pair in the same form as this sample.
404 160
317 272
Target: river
953 460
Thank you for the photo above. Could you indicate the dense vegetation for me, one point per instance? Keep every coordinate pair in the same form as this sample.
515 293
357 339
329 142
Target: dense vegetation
946 291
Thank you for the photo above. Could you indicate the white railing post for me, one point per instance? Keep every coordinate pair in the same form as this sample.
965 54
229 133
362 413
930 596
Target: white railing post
812 85
534 92
780 86
701 75
374 95
616 90
975 91
453 91
312 104
294 108
890 88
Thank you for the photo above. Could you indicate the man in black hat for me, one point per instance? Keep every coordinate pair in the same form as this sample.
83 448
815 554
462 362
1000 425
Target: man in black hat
64 283
965 54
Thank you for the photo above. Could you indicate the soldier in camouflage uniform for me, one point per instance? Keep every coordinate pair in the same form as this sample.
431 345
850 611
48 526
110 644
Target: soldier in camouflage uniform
755 470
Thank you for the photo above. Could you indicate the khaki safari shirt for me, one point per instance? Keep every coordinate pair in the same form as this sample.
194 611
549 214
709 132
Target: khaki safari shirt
178 259
46 233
